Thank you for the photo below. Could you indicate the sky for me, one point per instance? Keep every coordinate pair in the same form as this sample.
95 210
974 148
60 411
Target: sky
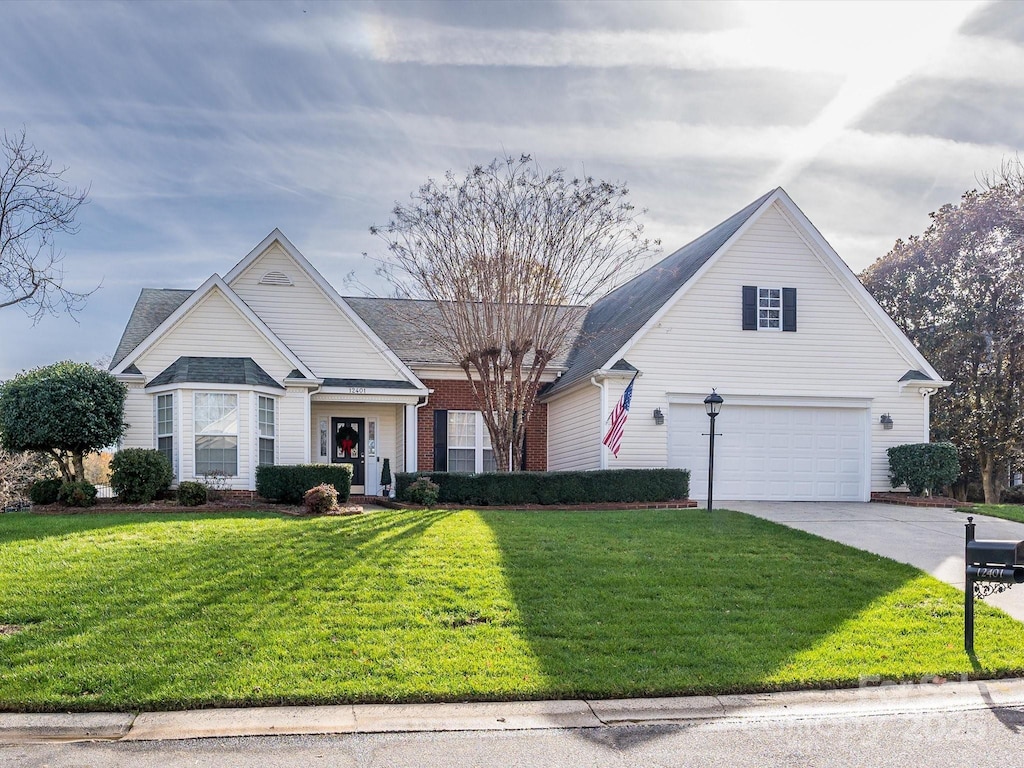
200 127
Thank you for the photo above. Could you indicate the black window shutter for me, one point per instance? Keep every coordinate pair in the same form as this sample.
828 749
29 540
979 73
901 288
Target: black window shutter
440 441
789 309
749 307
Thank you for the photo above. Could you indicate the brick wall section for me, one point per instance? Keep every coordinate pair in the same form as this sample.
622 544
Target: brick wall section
456 395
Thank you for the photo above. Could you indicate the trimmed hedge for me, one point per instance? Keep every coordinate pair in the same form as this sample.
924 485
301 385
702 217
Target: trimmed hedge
77 494
191 494
289 483
600 486
45 491
138 475
923 466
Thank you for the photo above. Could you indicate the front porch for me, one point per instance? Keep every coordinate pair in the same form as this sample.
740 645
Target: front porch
356 425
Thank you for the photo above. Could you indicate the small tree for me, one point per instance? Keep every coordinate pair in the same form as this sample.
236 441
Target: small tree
508 257
36 204
64 410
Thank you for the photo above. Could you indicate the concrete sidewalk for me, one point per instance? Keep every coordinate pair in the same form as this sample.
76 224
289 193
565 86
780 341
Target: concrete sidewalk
877 700
929 539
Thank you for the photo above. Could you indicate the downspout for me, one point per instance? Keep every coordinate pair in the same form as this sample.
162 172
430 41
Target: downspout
604 416
412 436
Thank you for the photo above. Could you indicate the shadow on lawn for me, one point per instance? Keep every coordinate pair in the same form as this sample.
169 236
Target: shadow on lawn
670 602
195 611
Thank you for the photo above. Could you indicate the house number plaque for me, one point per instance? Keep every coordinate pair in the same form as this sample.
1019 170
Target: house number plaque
357 390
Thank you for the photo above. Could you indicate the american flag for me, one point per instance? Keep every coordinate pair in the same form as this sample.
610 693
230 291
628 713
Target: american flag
613 438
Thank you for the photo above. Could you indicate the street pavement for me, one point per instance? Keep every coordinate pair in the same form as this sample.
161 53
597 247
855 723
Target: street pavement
929 539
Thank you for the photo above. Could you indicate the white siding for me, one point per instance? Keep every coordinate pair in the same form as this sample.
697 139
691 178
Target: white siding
837 350
291 436
213 328
309 323
574 430
140 416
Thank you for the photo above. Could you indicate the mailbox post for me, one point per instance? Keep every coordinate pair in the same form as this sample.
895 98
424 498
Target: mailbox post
990 566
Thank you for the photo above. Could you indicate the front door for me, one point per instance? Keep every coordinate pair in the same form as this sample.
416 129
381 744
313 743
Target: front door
347 445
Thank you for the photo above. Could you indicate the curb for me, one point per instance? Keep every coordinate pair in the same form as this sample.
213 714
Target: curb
886 699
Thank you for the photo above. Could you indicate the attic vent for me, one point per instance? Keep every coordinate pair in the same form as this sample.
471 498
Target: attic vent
276 278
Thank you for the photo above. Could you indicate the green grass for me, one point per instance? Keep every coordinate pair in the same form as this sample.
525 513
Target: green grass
1013 512
184 610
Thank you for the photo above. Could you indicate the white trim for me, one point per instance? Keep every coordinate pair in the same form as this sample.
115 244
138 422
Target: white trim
212 386
377 391
214 282
783 401
307 431
328 290
602 427
411 435
931 386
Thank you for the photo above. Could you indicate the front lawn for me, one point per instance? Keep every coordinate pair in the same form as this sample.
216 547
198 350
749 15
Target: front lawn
184 610
1013 512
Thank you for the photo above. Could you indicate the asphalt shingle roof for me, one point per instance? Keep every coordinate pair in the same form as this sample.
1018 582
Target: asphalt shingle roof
613 319
369 383
399 323
215 370
154 305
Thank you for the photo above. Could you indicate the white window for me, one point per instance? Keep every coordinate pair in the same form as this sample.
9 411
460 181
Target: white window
769 308
267 432
216 431
165 428
469 443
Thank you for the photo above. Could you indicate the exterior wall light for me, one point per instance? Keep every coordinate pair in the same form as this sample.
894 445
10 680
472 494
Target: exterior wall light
659 417
886 421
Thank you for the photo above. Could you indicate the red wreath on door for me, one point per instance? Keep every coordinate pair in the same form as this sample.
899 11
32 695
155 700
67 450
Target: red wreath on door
347 440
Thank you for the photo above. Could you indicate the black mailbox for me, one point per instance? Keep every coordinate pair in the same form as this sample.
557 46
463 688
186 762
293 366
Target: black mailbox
990 566
993 560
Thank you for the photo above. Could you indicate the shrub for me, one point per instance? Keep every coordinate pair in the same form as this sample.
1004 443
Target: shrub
385 477
137 475
191 494
508 488
45 491
422 491
923 466
289 483
321 499
215 483
77 494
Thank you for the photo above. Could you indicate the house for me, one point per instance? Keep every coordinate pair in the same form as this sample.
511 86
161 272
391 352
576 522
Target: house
268 364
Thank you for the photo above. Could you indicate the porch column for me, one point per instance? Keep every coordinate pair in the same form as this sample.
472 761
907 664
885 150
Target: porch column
411 434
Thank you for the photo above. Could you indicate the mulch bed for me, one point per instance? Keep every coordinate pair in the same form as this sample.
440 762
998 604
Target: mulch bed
105 506
906 500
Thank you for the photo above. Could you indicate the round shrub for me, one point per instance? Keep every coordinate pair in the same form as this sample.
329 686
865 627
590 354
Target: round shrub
137 475
321 499
423 492
191 494
77 494
44 491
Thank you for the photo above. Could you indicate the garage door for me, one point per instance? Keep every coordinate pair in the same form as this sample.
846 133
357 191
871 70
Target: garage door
783 453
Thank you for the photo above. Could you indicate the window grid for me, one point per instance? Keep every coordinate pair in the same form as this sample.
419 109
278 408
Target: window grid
165 428
769 308
267 430
216 433
469 443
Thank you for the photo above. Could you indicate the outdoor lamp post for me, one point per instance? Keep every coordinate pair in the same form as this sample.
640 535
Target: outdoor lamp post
713 405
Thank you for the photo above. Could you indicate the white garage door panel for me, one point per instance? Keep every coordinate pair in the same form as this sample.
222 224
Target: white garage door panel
774 452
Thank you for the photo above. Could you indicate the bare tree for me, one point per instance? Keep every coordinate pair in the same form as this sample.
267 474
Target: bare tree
36 204
509 256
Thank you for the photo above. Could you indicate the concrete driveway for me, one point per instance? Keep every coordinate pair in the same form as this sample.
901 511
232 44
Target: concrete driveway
930 539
